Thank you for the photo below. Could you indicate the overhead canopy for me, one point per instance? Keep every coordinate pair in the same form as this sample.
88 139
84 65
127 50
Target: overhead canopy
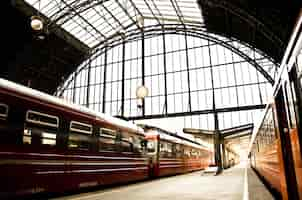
75 27
94 22
265 25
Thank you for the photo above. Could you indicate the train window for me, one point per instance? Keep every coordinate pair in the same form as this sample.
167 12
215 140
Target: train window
42 119
150 146
44 133
194 153
39 136
138 143
79 141
80 135
3 111
126 145
169 148
107 139
187 152
105 132
178 150
80 127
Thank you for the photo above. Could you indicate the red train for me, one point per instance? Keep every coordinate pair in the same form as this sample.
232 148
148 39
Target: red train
48 145
275 149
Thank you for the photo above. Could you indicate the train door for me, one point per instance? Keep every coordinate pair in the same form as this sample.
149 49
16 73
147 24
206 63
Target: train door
293 100
152 151
288 176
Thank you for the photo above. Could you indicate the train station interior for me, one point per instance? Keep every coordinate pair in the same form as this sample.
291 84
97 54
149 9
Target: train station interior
151 99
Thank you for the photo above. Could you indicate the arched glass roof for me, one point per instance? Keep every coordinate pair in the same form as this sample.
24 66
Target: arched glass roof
193 75
93 21
101 23
185 76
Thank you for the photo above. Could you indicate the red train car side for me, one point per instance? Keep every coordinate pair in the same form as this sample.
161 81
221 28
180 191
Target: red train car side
275 148
170 153
49 146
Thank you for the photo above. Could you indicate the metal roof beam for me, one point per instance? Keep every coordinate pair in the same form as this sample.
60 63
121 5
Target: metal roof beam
178 14
100 14
80 16
110 13
126 12
147 4
199 112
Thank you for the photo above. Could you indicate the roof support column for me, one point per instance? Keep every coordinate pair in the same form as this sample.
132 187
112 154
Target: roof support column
217 135
143 70
123 81
88 83
165 74
188 71
104 84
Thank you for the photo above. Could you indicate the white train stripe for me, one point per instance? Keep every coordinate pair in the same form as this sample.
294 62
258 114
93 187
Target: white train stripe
90 170
69 156
50 162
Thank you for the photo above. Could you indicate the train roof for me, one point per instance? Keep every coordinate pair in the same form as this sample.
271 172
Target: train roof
183 139
20 89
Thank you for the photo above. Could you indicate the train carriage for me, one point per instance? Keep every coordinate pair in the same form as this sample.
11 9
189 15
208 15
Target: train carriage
51 146
275 148
171 153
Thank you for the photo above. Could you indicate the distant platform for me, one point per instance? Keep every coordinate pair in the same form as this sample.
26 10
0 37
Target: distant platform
230 185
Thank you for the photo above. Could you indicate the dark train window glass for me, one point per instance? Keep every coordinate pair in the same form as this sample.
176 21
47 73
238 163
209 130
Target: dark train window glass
187 152
126 142
162 146
166 149
107 139
106 132
3 111
79 141
178 149
126 145
38 136
42 119
80 127
138 143
169 147
151 146
80 135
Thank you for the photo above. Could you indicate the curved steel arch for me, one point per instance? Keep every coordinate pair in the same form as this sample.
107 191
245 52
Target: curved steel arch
70 10
194 32
76 7
157 30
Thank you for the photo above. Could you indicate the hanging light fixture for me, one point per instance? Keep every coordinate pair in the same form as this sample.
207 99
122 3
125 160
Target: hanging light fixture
141 92
37 22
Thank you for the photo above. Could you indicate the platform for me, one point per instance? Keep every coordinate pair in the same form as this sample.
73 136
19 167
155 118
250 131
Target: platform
235 183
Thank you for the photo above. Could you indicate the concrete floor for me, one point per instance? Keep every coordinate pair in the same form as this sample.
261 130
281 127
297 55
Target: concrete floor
230 185
256 189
